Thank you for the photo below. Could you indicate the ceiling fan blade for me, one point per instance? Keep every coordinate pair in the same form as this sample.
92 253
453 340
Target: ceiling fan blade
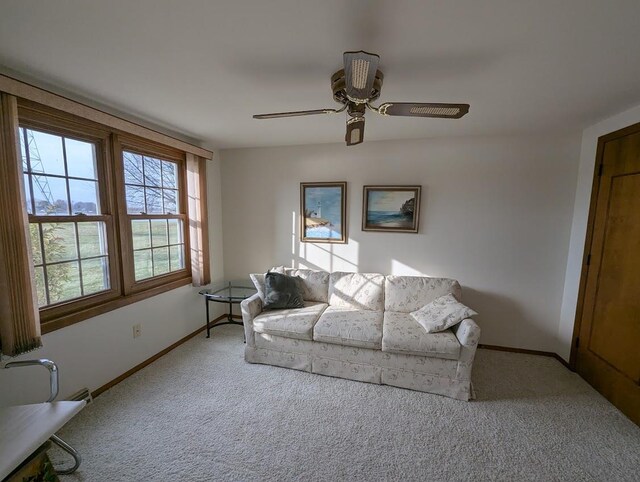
355 131
360 73
415 109
298 113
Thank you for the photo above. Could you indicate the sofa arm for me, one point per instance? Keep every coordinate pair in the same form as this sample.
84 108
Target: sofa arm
250 308
468 334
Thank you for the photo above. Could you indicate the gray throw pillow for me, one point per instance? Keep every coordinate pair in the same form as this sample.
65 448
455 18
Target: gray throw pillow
282 291
258 280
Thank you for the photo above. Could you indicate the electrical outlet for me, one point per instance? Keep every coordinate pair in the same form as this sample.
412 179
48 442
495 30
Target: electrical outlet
137 330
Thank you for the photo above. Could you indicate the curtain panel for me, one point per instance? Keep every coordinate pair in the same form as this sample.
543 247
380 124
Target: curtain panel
198 225
19 315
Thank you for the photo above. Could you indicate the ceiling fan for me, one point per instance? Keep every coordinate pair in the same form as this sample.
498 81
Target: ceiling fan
356 86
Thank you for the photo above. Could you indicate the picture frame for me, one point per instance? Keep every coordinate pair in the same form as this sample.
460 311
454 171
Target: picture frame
391 209
323 212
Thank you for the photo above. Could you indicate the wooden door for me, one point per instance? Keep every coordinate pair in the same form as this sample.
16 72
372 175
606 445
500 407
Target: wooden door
608 335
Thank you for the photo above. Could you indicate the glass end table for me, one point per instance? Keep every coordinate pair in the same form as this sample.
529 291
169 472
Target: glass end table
230 292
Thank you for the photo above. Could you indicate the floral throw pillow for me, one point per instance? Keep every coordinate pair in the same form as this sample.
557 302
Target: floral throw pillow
442 313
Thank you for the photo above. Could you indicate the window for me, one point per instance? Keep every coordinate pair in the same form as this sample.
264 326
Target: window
107 215
66 221
153 207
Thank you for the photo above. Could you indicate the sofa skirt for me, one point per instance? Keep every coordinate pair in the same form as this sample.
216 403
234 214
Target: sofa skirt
425 374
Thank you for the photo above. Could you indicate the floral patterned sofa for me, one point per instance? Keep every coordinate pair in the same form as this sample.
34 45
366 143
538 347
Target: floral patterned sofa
358 326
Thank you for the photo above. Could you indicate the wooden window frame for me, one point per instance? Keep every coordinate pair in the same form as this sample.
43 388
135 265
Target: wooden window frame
110 172
123 143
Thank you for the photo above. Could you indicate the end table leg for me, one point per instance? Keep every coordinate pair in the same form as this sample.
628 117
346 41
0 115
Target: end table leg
206 302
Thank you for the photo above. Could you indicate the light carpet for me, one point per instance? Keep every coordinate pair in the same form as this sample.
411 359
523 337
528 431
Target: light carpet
201 413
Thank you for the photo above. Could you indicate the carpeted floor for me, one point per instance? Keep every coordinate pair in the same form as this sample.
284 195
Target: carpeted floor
201 413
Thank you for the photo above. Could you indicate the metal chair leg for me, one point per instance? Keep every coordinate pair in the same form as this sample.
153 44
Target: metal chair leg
71 451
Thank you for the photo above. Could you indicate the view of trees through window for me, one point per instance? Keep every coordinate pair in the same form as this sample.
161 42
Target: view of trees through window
152 195
61 186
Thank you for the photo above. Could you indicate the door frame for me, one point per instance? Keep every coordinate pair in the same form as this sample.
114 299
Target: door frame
595 188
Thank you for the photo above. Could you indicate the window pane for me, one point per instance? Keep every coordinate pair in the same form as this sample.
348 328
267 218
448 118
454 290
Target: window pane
159 235
95 275
152 171
27 194
176 257
59 241
135 200
84 197
132 168
50 194
141 234
160 261
45 153
64 281
40 289
175 231
170 201
154 201
169 174
36 249
92 239
142 264
23 154
81 158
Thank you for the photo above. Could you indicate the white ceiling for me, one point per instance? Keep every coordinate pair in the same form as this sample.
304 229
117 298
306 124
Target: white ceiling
203 68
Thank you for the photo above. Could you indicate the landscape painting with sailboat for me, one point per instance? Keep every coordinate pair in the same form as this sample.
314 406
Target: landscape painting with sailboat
391 208
323 212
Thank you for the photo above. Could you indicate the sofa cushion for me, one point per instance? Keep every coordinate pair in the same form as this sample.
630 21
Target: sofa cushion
442 313
357 291
402 334
293 323
314 283
343 326
405 294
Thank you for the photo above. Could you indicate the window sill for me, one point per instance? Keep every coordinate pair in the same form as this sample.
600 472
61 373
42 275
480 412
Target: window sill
86 313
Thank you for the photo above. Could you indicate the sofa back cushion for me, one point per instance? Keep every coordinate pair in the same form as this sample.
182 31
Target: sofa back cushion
314 283
405 294
358 291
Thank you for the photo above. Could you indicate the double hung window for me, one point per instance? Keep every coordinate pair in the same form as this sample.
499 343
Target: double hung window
107 214
154 217
67 224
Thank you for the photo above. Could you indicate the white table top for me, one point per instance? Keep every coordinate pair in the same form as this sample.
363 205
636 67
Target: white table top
25 427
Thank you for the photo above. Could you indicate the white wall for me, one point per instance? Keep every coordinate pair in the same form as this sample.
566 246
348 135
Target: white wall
95 351
579 222
496 215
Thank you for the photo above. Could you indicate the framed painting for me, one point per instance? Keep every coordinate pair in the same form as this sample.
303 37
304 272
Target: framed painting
394 209
323 212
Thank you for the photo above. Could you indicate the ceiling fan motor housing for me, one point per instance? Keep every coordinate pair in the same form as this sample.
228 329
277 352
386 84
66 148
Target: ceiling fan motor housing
356 110
338 86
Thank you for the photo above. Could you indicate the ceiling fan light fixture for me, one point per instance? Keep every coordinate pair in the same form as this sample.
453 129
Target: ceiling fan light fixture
360 74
